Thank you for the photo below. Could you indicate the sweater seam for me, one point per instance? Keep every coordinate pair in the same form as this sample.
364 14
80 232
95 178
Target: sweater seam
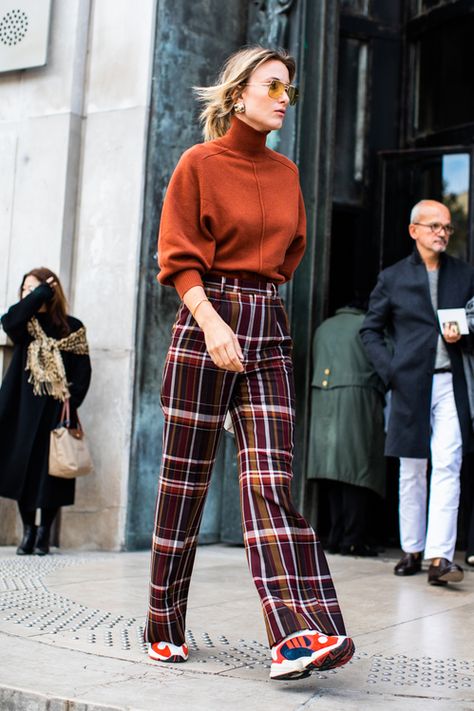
262 232
215 153
248 157
266 155
291 167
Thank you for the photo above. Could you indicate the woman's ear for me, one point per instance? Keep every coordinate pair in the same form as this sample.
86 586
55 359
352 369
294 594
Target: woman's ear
237 93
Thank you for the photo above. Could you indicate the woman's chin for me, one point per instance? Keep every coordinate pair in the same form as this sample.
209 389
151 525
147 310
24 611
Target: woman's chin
275 123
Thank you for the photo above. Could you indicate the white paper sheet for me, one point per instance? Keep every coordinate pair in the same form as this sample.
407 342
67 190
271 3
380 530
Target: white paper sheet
455 318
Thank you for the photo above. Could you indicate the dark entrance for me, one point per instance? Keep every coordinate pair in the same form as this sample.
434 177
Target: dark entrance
404 119
443 174
404 131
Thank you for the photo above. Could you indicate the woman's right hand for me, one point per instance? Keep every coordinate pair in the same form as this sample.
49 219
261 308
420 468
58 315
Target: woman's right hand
221 342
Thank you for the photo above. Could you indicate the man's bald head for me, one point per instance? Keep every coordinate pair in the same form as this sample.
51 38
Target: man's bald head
424 208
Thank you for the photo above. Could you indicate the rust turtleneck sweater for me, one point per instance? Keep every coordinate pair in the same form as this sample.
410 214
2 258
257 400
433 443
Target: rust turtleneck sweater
233 206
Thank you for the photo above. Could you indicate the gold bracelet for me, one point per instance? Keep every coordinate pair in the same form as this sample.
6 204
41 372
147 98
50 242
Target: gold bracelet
198 304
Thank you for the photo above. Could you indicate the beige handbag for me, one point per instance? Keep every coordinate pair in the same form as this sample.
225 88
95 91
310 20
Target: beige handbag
69 454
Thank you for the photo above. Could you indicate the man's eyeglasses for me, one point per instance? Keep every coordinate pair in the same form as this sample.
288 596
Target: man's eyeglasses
277 88
437 227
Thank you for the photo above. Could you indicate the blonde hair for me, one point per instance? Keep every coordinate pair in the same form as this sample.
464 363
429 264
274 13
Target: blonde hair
219 99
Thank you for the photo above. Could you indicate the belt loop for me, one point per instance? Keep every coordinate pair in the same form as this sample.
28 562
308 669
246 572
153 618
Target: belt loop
222 284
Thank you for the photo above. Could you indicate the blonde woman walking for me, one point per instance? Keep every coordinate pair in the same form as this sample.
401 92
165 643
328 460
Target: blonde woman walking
232 230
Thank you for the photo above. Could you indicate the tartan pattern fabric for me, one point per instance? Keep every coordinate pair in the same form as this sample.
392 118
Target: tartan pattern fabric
285 557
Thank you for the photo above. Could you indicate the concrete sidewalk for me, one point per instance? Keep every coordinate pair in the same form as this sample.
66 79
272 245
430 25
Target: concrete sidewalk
71 638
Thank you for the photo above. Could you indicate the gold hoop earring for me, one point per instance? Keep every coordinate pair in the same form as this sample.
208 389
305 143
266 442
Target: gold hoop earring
239 107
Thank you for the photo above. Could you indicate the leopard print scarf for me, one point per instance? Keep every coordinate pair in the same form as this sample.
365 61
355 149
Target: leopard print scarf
44 361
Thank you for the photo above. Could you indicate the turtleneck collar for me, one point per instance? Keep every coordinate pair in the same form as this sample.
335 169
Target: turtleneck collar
242 138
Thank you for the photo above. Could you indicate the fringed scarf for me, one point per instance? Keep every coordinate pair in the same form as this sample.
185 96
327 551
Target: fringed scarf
45 363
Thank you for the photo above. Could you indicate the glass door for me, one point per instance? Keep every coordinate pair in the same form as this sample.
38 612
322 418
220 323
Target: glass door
443 174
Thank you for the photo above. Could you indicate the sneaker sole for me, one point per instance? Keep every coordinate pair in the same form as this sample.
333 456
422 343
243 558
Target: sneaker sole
176 659
173 659
336 657
293 676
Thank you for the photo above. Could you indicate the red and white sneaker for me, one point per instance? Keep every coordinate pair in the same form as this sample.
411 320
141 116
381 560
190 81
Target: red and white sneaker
167 652
302 652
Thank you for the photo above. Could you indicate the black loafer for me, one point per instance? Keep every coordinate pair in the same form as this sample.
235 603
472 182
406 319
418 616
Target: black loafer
409 564
444 573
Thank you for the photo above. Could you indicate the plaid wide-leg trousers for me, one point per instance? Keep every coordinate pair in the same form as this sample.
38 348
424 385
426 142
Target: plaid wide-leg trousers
285 557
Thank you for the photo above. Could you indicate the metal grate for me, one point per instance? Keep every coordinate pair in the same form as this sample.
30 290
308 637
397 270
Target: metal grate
26 601
27 605
13 27
425 672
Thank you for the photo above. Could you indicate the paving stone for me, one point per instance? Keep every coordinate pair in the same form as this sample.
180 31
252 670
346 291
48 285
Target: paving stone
71 638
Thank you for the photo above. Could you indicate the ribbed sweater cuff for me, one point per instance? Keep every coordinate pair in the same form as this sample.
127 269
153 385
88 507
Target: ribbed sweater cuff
184 281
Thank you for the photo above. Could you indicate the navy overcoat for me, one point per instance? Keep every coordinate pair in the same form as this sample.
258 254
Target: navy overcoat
400 307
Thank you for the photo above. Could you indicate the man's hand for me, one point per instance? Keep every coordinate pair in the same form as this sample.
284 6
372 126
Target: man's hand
451 333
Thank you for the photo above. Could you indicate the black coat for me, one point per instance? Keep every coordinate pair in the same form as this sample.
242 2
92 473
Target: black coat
400 306
26 419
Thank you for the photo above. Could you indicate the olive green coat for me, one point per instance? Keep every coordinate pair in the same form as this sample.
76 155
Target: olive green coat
347 427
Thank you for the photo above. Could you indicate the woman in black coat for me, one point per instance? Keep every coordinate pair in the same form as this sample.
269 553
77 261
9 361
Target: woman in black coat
50 363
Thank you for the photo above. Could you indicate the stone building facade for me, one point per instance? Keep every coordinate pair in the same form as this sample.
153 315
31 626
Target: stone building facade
73 144
87 145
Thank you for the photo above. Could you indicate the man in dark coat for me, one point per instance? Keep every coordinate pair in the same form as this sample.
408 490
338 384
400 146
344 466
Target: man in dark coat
429 407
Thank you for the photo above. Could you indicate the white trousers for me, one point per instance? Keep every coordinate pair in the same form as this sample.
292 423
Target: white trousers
438 537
